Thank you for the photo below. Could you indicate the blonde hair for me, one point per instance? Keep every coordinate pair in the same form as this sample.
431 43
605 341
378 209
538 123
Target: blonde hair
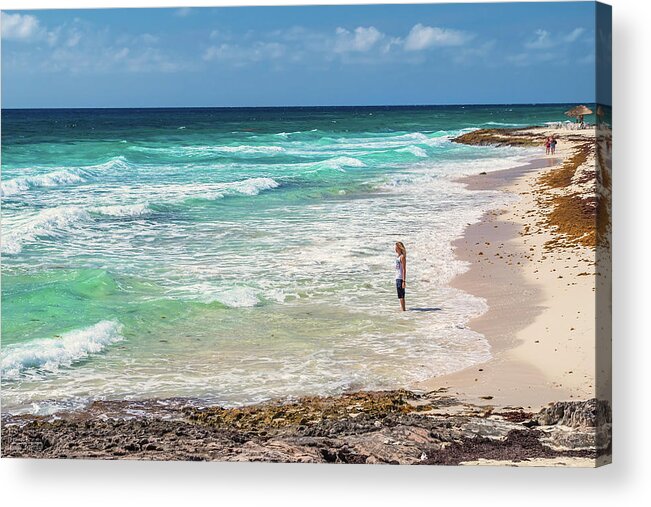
402 248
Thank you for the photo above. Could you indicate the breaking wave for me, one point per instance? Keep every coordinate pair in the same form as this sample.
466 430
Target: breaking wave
48 223
48 355
60 177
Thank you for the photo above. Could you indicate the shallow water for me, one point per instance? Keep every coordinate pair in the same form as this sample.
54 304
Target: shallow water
236 255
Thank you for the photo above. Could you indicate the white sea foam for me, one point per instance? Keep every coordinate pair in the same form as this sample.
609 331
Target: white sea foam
250 149
503 124
433 171
48 355
413 136
56 222
126 210
287 134
198 151
388 141
414 150
251 186
53 179
211 191
238 297
339 163
114 163
47 223
60 177
437 141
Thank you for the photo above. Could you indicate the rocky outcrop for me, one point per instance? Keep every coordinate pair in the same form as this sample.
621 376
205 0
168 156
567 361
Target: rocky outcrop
500 137
396 427
576 414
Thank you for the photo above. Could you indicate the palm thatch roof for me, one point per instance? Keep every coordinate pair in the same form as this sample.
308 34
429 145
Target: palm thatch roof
577 111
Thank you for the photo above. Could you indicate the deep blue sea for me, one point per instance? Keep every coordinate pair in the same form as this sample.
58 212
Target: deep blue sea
237 255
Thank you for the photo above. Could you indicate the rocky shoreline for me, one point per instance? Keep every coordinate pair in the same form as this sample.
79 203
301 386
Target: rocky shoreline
392 427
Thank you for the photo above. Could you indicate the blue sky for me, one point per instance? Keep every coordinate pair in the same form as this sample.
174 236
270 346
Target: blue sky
320 55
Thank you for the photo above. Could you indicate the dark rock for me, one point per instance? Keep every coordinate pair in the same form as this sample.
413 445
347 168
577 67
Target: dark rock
397 427
576 414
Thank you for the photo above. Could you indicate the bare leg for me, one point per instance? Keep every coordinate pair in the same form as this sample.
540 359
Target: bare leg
402 304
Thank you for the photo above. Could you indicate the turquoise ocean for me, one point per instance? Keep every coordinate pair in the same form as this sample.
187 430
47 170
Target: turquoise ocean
237 255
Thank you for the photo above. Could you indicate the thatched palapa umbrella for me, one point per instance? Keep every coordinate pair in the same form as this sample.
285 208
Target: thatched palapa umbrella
578 111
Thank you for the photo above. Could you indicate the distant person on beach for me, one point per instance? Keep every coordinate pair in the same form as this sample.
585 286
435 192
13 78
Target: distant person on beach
552 144
548 145
401 272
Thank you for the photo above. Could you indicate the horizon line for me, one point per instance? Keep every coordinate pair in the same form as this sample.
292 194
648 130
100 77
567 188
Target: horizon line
477 104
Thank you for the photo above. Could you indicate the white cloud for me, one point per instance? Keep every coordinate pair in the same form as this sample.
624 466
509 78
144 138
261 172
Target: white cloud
151 60
574 34
148 38
27 28
23 27
423 37
242 55
360 45
108 58
121 54
518 59
362 39
73 39
79 46
472 54
391 43
544 39
525 59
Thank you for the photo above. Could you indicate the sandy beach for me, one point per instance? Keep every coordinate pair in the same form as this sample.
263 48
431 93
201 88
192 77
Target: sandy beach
538 283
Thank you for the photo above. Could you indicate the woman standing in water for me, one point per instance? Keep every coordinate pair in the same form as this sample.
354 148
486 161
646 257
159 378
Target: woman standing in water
401 272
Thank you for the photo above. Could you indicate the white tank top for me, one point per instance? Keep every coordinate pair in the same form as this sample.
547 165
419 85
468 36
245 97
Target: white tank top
398 268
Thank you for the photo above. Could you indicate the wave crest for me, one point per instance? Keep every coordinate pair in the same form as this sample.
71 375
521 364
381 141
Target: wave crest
125 210
250 149
339 163
50 222
212 191
60 177
417 151
202 151
48 355
53 179
239 297
252 186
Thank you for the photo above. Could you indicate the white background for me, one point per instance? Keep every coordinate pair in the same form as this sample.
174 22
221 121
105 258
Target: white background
626 482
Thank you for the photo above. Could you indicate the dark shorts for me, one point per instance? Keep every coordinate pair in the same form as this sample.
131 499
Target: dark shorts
401 291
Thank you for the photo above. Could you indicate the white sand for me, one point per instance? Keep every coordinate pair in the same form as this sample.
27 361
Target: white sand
541 318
